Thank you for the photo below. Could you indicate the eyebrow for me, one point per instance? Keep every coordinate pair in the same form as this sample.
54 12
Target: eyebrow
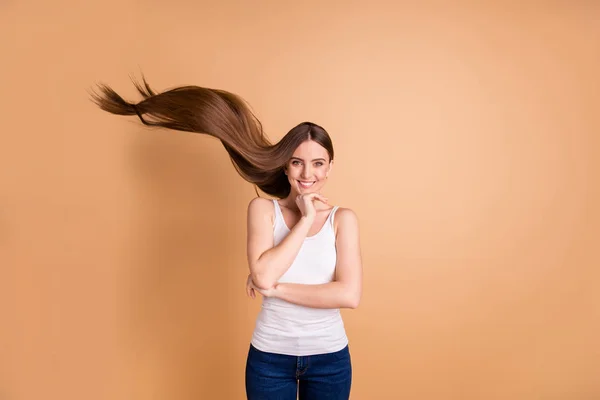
316 159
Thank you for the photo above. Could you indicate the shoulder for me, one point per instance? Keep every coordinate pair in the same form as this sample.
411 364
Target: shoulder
345 219
260 203
345 214
259 206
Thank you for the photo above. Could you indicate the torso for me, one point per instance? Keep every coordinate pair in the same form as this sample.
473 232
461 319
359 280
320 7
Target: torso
287 328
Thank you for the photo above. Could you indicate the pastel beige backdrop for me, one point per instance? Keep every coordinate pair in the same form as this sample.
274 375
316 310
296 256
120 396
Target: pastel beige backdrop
466 139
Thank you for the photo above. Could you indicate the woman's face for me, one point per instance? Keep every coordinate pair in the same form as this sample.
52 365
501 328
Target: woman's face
308 168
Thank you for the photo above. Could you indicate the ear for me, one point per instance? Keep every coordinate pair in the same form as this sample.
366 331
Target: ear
330 168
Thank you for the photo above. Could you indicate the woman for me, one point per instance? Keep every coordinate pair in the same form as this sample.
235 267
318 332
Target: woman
303 254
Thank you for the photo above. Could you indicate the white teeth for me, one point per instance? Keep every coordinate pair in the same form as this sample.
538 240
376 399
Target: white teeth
306 185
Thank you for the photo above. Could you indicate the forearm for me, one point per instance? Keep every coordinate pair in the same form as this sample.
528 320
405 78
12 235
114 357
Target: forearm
273 263
328 295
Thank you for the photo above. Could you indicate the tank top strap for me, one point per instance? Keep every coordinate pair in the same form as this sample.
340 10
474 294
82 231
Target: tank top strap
332 215
278 213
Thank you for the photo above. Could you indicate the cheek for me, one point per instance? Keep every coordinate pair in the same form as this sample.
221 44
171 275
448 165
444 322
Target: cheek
321 175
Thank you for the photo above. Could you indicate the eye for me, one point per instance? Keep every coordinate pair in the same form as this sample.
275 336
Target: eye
319 164
295 162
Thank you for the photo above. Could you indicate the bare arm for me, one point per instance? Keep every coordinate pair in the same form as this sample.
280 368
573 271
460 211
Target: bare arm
267 262
346 290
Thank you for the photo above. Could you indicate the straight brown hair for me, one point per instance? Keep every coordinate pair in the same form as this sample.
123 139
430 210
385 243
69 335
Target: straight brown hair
225 116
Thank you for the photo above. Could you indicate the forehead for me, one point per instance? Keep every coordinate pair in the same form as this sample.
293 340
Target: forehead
310 150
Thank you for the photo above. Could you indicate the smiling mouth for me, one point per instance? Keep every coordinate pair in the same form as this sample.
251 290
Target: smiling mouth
306 185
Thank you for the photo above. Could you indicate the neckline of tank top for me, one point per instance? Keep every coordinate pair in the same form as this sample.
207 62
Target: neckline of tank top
327 221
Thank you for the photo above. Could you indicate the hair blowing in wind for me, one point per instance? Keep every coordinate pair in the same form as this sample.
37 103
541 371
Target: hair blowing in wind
225 116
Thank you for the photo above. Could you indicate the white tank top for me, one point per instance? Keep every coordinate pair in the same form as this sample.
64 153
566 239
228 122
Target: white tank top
286 328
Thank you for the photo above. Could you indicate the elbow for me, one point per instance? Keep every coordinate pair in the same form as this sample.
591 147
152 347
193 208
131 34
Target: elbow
261 281
353 304
260 277
353 300
350 295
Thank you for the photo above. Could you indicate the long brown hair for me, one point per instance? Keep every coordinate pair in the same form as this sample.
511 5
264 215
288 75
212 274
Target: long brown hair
225 116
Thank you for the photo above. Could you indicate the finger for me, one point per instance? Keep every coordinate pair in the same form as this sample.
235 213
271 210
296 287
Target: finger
321 198
314 194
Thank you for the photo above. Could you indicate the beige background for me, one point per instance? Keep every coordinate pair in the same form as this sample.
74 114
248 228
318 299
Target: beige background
466 140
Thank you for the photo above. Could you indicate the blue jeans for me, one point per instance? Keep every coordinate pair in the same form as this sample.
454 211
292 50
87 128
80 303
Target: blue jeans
271 376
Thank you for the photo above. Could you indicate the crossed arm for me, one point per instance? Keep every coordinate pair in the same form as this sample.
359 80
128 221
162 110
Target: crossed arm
343 292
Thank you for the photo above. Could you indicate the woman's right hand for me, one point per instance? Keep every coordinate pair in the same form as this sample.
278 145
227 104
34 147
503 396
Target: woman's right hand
305 203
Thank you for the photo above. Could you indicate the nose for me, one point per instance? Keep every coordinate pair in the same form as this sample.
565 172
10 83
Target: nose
306 172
